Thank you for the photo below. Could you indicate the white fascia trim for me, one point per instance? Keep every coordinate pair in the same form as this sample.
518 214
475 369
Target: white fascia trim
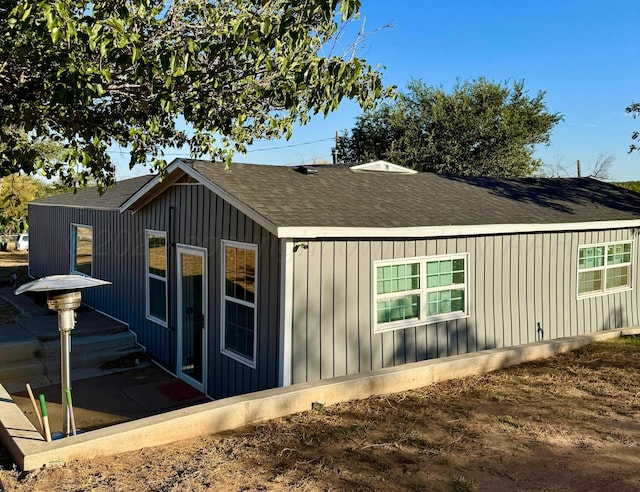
451 230
286 312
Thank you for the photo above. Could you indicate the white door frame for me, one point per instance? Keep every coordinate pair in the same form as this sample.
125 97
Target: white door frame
202 253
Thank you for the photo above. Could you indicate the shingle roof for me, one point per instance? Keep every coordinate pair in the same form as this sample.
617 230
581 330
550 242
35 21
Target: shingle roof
339 197
113 198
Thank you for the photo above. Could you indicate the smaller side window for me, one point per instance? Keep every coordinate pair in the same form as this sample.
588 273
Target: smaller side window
239 301
82 249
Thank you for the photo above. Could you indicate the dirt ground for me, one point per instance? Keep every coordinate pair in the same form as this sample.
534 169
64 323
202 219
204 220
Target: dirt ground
12 262
15 263
567 423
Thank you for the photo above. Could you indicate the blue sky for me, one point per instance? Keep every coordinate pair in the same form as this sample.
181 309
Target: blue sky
584 55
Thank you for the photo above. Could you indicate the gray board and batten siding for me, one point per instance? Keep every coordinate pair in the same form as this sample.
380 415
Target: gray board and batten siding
515 281
191 215
319 236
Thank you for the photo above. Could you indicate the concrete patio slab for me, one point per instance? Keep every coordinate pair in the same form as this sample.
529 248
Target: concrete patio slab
113 398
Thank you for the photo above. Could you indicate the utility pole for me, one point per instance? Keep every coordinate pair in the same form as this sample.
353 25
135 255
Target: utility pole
335 152
579 171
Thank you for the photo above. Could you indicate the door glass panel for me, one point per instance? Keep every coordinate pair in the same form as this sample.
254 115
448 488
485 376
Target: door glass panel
191 310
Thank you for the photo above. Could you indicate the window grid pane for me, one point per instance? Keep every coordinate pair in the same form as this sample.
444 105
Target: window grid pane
617 277
157 298
591 257
239 329
398 278
444 273
240 273
590 281
445 301
619 253
83 243
398 309
157 255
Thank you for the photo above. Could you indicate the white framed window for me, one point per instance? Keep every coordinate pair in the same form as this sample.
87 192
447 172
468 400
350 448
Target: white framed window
415 291
156 276
604 268
82 249
239 301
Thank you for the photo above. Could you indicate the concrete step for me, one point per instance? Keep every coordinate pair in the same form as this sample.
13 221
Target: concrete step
38 363
88 324
89 351
80 346
94 359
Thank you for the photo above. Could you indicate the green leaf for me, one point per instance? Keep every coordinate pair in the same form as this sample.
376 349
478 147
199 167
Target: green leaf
56 35
116 24
25 13
135 54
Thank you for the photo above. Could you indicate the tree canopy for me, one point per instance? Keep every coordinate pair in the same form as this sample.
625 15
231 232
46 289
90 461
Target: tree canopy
16 191
149 74
480 128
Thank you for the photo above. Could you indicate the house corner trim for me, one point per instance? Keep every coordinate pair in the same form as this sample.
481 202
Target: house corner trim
286 312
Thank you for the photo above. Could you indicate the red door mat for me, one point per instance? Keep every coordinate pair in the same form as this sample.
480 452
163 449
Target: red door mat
178 391
159 396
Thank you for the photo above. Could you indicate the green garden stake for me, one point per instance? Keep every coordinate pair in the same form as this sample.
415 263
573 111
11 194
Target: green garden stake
70 409
45 418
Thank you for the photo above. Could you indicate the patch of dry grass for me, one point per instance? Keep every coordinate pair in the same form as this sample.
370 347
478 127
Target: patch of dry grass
12 263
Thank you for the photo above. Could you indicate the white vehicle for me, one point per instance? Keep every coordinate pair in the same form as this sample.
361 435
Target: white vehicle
22 243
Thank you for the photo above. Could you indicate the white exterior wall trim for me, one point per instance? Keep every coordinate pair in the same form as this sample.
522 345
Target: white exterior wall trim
286 312
449 231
